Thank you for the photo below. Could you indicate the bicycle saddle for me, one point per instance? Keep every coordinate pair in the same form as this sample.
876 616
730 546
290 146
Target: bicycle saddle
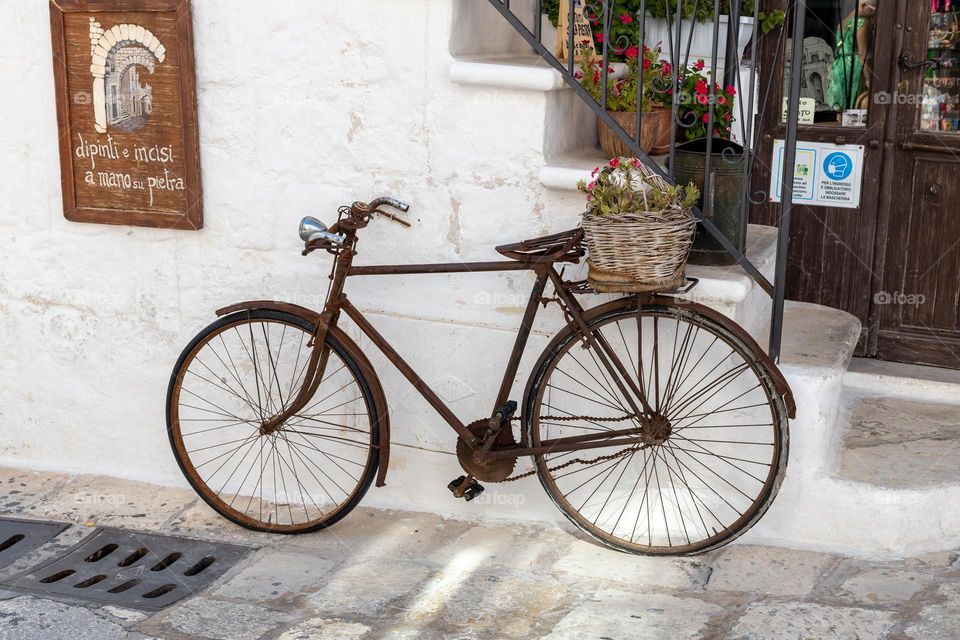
566 246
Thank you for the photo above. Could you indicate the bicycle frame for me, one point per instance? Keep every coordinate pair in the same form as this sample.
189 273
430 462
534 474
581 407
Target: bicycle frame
483 447
545 270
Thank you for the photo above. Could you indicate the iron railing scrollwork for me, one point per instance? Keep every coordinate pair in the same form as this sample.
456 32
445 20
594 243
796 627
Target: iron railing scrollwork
749 119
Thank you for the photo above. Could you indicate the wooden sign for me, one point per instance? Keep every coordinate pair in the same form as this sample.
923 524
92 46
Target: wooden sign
127 111
584 48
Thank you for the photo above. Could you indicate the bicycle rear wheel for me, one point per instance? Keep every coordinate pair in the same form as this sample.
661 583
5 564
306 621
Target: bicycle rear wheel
713 452
240 371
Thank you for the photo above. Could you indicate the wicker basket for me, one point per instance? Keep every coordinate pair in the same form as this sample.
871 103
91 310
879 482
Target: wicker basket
639 252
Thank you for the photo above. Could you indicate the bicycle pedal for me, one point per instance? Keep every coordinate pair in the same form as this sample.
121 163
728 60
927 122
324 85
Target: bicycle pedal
455 483
473 492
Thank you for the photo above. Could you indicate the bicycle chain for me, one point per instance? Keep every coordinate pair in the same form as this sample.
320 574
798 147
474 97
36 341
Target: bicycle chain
569 463
612 456
575 418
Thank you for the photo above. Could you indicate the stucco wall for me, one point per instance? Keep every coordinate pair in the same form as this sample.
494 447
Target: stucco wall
303 106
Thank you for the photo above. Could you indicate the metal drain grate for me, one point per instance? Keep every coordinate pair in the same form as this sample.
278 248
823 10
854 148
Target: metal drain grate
130 569
20 537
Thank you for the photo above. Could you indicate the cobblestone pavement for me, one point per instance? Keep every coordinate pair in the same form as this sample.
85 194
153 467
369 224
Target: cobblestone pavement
387 574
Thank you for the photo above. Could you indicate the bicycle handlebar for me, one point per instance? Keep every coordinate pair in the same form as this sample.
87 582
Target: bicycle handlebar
392 202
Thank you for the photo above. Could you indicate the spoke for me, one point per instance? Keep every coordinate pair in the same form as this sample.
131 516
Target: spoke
296 476
235 372
731 401
325 474
223 411
603 404
673 485
346 441
608 474
225 385
616 483
253 361
690 454
663 506
727 377
673 449
232 424
198 467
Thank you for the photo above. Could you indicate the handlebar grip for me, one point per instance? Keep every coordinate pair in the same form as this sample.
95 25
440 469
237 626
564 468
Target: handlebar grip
393 202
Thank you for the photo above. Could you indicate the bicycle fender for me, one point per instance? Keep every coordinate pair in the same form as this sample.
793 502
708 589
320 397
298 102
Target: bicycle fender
354 351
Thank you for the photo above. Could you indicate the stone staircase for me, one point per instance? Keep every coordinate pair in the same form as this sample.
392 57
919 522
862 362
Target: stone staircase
871 473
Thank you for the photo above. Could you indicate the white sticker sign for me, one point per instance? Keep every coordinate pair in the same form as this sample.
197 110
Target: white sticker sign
806 113
826 175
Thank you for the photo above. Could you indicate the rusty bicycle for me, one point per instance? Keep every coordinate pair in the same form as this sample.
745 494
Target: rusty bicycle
656 425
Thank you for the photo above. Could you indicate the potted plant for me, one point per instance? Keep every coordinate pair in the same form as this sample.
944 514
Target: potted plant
624 30
656 122
638 228
694 99
727 167
698 17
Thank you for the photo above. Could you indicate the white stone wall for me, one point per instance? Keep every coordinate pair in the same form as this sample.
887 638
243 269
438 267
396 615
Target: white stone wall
303 107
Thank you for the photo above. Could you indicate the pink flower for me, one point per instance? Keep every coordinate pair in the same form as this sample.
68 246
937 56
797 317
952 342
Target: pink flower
599 38
721 100
578 74
615 163
594 173
706 117
702 99
636 163
592 186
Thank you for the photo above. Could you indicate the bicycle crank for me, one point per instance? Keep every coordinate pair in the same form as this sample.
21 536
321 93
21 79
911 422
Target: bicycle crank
486 468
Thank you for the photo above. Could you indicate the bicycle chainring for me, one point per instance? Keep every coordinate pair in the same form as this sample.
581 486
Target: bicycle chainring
491 469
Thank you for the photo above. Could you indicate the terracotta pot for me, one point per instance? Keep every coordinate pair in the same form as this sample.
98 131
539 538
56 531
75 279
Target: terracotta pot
654 134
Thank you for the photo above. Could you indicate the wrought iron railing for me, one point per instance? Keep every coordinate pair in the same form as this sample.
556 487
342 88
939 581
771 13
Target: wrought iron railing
602 16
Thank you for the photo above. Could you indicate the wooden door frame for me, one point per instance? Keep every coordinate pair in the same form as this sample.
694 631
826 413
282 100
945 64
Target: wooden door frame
904 137
856 299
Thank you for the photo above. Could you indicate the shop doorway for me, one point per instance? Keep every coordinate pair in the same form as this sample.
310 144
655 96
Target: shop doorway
884 74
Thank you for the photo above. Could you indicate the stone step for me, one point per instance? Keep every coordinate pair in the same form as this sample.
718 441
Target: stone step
895 443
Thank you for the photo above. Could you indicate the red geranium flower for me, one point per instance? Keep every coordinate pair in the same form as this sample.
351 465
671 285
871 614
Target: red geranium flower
701 87
599 37
615 163
626 18
646 64
632 52
732 91
699 65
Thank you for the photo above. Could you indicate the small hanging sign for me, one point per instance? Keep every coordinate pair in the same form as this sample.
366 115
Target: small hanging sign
584 47
806 113
127 112
826 175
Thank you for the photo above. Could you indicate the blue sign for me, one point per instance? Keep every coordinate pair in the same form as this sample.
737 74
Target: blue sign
838 166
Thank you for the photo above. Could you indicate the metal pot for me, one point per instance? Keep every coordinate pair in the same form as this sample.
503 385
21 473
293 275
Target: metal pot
725 192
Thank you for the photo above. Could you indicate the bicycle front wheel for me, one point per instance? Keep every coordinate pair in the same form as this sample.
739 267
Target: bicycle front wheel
237 373
708 460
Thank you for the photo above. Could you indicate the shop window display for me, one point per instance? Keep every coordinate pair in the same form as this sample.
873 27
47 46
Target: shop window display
837 68
941 83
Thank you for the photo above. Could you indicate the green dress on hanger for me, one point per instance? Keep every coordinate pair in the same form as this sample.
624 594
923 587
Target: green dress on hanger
846 72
